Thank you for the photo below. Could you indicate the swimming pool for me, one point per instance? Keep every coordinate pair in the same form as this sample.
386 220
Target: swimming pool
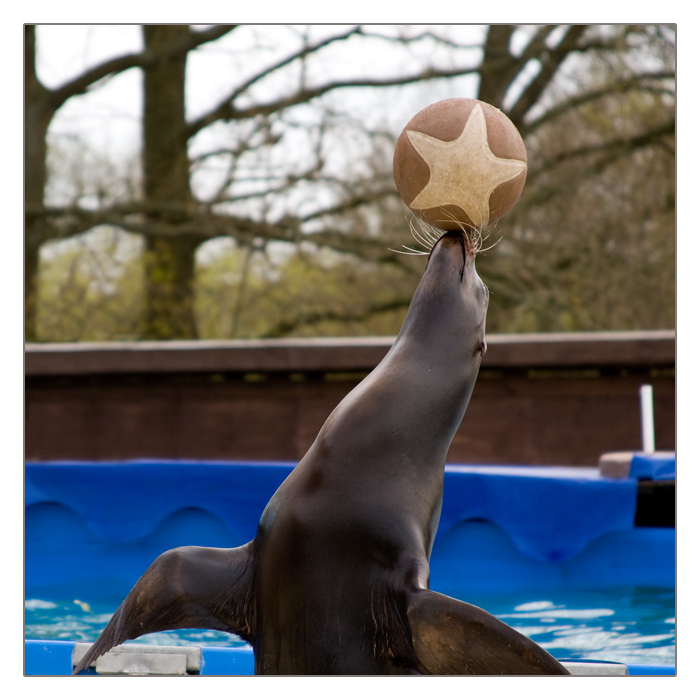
552 552
632 625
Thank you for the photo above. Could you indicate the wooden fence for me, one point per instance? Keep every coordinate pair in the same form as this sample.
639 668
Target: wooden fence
550 399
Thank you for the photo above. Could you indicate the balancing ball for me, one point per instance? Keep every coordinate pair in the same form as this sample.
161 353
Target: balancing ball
460 162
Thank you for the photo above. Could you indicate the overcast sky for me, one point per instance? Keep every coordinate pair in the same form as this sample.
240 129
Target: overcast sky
108 116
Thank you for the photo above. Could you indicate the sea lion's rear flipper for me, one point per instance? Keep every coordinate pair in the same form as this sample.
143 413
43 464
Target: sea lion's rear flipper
452 637
200 587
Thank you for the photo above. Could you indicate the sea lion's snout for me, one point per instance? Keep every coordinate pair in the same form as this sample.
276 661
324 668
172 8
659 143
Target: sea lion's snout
452 262
452 250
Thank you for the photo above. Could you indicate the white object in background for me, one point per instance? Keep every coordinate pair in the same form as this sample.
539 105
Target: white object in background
647 406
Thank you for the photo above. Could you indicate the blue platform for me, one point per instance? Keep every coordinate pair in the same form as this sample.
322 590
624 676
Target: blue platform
656 467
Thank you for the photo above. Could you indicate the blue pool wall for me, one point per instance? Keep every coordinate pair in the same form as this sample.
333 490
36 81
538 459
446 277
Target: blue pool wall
502 528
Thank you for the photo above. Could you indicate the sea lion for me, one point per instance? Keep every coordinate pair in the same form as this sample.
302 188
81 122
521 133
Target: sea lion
336 579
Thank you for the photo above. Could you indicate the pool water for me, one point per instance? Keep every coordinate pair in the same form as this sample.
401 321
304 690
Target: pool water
83 620
628 624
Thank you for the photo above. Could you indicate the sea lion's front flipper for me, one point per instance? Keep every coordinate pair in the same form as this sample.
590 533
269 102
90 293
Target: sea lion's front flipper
200 587
454 638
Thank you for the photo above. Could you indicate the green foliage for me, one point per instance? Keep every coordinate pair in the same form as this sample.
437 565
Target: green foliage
91 287
300 291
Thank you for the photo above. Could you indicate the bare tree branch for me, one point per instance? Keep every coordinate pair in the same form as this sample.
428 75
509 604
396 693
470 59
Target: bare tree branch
227 111
205 224
550 61
356 313
141 59
223 110
639 82
622 144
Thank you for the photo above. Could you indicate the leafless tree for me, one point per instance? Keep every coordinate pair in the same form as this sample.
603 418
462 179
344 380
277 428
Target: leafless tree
279 93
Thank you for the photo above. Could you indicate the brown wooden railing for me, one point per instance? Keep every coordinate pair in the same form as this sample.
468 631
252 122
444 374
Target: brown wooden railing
540 399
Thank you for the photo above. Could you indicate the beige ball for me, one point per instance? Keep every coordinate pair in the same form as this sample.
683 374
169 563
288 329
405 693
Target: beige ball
460 162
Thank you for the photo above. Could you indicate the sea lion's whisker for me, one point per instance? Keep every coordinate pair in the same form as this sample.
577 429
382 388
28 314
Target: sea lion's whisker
409 251
483 250
425 235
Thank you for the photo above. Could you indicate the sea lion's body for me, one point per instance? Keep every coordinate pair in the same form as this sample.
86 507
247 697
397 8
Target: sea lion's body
336 579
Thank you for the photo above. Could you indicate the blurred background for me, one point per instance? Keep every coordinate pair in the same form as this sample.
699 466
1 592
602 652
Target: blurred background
227 191
224 182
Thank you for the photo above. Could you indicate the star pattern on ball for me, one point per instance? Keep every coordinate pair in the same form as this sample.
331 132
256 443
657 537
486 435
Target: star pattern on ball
463 172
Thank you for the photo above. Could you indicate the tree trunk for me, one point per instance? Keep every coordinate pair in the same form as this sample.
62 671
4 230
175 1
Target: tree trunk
37 116
498 67
166 182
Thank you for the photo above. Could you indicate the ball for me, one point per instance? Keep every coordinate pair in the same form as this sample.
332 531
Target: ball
460 162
